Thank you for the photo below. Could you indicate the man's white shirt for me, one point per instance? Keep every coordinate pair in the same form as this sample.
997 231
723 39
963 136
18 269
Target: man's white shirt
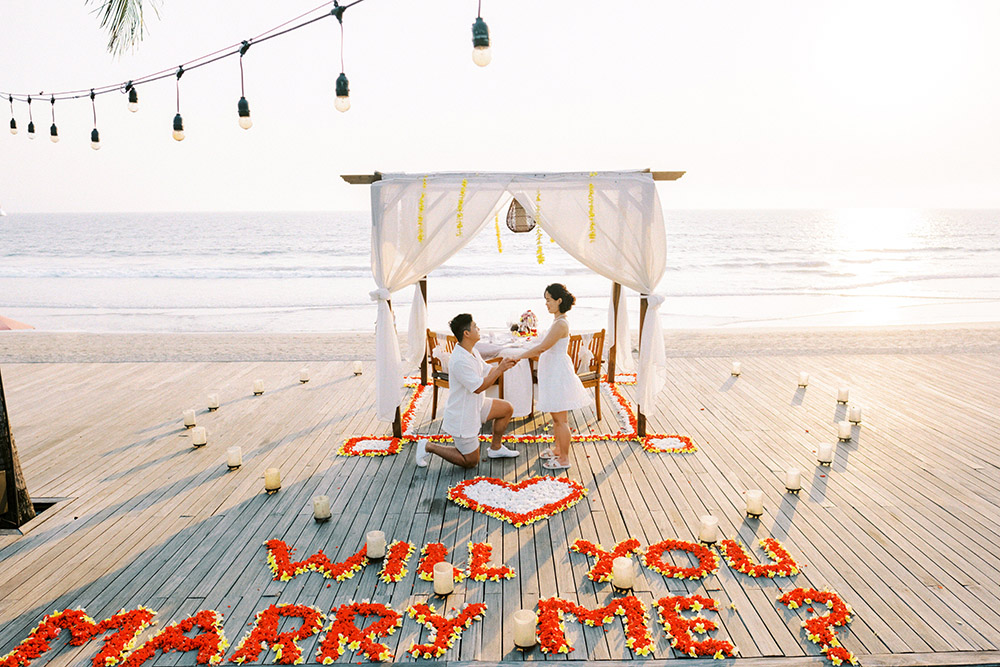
466 372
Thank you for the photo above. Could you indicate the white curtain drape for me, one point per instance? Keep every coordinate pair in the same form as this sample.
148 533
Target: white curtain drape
611 222
416 335
623 355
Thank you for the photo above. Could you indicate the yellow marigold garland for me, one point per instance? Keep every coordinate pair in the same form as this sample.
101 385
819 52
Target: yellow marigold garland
496 224
460 216
421 206
592 234
539 253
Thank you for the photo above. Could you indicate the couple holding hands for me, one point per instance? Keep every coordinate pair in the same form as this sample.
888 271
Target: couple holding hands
467 409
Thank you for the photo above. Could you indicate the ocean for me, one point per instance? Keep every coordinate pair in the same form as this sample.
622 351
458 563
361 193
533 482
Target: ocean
310 272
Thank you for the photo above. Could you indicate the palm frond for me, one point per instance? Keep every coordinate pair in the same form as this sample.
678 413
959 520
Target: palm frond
123 20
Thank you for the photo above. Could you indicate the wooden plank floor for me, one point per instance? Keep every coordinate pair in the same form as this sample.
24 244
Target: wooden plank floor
904 525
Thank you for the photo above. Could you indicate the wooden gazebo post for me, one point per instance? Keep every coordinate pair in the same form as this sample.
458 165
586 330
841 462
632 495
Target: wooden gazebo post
640 415
616 295
15 502
423 359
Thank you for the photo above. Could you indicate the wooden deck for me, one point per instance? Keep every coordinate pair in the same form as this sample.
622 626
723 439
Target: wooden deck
904 526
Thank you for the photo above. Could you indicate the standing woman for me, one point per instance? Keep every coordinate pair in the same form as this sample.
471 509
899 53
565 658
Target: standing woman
559 389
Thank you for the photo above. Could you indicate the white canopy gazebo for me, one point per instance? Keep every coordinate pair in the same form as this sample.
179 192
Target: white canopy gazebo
611 222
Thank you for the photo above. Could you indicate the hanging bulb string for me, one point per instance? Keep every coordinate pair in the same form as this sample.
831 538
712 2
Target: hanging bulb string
53 100
479 11
93 106
180 73
30 119
243 50
201 61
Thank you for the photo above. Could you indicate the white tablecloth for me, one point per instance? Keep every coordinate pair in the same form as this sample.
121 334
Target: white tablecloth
517 383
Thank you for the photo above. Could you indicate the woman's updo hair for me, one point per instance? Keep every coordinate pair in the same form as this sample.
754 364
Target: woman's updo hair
558 291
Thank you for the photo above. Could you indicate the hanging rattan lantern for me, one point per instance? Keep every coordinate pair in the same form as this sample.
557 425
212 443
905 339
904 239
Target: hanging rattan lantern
518 219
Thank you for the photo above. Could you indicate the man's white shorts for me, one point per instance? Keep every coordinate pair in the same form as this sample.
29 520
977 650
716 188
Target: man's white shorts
469 445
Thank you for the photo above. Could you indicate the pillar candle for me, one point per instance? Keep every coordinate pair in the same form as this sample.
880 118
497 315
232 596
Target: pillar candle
189 420
854 414
803 379
304 375
525 622
793 479
376 544
272 480
213 402
844 430
755 502
825 455
234 458
321 508
622 573
708 532
842 394
258 387
737 368
357 368
199 436
444 578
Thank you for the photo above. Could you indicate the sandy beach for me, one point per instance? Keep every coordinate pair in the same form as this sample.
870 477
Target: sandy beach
71 347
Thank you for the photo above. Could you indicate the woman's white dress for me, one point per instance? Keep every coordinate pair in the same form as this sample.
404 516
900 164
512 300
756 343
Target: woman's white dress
559 388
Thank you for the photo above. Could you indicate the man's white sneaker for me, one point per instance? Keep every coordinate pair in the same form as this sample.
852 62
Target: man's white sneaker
421 455
502 453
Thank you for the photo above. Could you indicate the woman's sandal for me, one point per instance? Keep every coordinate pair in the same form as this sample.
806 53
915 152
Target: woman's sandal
547 453
553 464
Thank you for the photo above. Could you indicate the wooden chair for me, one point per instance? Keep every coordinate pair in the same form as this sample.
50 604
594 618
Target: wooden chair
590 376
439 374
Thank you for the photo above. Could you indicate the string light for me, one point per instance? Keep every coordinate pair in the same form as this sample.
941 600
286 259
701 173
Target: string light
243 107
54 131
343 101
481 54
31 121
178 121
133 97
95 136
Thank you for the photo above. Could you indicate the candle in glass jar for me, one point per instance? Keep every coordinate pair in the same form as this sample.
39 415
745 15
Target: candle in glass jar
234 458
272 480
444 578
375 544
803 379
793 480
213 402
189 420
321 508
622 573
199 436
737 368
525 622
825 455
842 394
357 368
708 532
755 502
844 430
258 387
303 375
854 414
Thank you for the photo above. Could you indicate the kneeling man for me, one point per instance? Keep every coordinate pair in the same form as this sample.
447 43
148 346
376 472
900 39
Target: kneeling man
467 408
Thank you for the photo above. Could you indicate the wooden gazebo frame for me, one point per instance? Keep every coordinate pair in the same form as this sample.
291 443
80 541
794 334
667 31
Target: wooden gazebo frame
397 427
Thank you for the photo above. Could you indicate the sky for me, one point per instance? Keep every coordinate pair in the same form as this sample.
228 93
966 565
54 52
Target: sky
771 104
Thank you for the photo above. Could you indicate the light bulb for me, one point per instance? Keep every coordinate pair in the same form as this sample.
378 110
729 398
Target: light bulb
133 100
482 55
54 133
13 126
178 128
133 106
95 139
31 129
343 101
481 43
243 107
